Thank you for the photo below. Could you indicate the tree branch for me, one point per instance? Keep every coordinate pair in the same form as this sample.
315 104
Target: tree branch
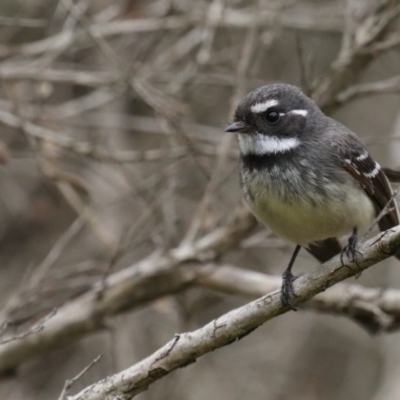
391 85
355 53
185 348
314 18
164 274
376 310
123 290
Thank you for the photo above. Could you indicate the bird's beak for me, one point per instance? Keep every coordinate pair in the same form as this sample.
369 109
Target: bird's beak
236 127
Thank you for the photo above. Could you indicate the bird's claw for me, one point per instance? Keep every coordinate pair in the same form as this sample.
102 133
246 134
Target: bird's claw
287 291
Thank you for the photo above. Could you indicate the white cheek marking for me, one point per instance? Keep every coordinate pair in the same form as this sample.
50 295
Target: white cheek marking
261 107
375 171
259 144
299 112
363 156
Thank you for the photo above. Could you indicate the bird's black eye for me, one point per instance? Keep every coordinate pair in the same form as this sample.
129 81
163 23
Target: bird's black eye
272 116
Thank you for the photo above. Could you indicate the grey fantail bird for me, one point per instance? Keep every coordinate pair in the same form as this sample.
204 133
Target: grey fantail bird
306 176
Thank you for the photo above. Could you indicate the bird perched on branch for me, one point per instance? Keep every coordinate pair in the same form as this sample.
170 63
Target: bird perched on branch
308 177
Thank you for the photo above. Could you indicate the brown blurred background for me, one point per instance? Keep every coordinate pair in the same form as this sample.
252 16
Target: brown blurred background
112 116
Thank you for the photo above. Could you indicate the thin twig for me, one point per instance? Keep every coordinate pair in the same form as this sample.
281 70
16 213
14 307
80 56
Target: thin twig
385 210
38 327
68 383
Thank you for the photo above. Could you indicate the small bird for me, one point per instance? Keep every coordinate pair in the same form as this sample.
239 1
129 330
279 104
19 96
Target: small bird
308 177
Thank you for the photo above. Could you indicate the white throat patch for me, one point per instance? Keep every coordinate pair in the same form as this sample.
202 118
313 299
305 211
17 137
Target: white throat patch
260 144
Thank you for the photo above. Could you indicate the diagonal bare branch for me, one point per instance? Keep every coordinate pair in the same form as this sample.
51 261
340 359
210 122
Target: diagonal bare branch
185 348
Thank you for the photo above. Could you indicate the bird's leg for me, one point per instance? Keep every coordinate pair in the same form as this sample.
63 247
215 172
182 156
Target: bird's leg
351 249
287 281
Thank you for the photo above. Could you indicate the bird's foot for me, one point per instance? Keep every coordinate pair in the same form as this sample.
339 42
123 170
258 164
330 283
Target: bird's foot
287 291
351 249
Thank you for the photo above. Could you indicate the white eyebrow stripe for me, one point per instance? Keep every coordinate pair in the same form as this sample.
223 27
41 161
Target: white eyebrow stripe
261 107
260 144
299 112
374 172
363 156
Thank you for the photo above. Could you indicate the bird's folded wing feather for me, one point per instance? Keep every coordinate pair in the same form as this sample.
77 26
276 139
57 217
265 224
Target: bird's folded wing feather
370 176
372 179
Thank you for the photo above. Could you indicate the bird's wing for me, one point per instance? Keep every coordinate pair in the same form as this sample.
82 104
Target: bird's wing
372 179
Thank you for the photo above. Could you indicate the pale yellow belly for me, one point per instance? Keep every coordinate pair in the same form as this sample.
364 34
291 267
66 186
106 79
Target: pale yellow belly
302 222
